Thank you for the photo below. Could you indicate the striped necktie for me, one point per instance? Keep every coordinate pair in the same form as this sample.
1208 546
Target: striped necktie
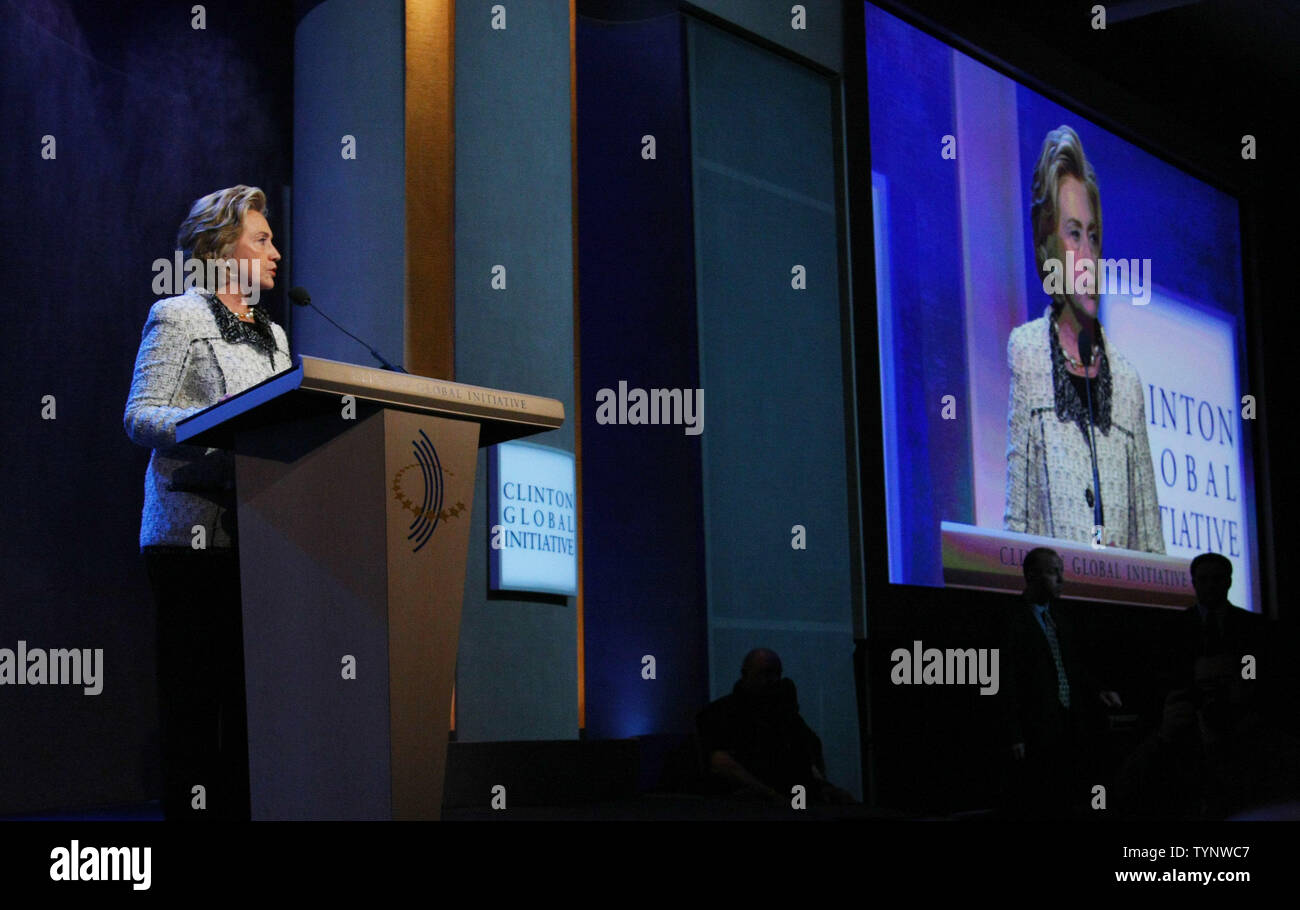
1062 684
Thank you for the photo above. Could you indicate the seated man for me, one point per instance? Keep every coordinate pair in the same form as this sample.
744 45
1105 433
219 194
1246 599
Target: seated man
755 742
1216 753
1222 745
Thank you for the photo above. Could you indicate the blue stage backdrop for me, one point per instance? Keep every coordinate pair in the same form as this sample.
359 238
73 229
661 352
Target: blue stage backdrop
685 284
642 510
514 208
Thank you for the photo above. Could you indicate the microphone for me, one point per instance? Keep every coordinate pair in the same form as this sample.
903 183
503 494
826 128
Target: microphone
1085 355
299 297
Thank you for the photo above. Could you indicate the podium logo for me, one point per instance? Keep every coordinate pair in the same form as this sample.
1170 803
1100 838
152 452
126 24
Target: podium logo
427 508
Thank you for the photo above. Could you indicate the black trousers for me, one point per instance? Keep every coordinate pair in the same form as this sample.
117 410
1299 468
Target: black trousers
201 700
1050 781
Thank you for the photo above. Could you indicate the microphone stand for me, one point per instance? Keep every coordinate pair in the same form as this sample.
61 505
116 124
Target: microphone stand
1085 355
300 297
380 357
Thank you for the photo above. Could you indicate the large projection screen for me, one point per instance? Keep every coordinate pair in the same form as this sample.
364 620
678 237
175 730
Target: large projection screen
954 147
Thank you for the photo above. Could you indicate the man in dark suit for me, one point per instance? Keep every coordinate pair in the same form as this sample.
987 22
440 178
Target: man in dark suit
1218 748
1212 627
1046 694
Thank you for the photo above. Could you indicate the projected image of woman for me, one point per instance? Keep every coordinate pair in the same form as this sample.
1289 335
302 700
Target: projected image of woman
1050 488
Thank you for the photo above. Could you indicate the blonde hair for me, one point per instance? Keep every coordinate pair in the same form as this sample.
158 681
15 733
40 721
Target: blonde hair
216 222
1062 156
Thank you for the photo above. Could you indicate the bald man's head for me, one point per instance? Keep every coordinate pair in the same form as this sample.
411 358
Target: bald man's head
760 671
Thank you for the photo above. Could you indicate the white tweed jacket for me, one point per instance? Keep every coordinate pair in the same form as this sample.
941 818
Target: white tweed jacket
1049 467
190 357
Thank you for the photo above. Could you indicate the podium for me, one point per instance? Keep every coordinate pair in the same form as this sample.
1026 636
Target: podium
354 488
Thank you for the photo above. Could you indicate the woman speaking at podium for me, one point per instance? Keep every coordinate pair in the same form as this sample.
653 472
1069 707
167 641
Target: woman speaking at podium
211 342
1050 486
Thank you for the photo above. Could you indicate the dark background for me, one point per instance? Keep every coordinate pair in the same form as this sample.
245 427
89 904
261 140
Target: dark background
148 114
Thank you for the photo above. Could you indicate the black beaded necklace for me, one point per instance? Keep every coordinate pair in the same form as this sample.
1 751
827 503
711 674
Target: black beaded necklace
1070 406
239 331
